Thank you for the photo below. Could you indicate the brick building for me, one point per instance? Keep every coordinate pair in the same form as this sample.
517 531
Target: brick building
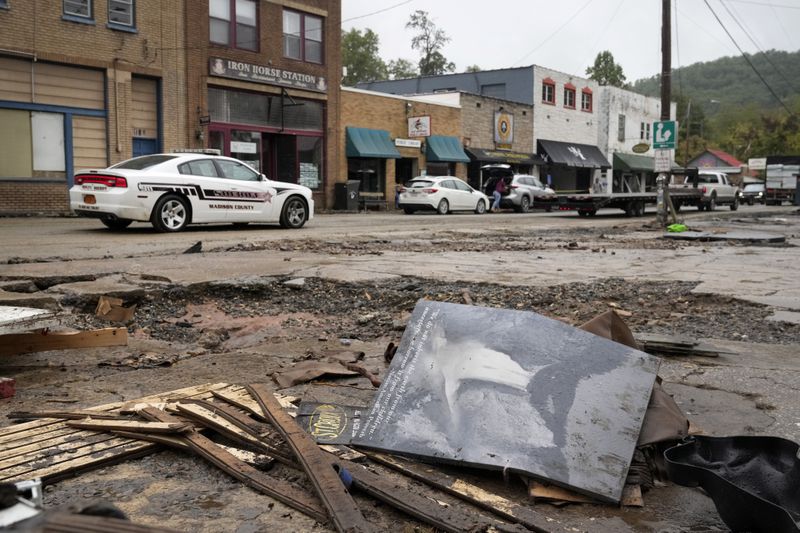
263 85
88 83
494 130
84 83
391 139
571 127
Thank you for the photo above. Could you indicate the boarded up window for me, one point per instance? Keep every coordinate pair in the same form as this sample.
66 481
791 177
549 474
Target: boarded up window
15 83
144 112
47 134
15 144
67 86
89 142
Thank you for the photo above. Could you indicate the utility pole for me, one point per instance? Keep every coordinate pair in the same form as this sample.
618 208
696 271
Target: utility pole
666 89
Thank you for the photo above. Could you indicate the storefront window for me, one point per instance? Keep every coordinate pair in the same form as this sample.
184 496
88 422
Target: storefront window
240 107
286 158
246 147
309 153
370 172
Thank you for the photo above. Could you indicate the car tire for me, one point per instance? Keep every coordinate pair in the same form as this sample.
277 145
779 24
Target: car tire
170 214
712 204
294 213
735 204
116 224
701 206
408 211
524 204
444 207
480 209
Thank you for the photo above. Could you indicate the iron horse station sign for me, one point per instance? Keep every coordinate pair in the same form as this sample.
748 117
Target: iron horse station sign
240 70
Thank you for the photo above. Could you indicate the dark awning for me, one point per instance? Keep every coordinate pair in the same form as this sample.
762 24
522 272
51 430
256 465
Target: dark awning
572 154
445 149
633 163
364 142
501 156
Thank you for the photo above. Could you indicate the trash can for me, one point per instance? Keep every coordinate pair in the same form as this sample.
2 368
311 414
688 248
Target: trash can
797 190
345 195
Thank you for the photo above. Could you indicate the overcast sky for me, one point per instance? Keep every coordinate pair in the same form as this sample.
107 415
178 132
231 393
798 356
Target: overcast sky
566 35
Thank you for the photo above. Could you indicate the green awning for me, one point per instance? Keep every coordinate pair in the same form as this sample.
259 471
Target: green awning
633 163
446 149
364 142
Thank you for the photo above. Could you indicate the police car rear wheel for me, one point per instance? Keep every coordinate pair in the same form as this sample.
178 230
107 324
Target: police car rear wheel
171 213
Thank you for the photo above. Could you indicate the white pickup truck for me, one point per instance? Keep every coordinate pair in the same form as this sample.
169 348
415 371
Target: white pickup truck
717 190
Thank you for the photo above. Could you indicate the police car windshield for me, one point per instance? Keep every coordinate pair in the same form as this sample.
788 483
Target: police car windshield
143 162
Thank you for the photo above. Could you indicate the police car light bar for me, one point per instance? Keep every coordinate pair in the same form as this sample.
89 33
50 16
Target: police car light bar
208 151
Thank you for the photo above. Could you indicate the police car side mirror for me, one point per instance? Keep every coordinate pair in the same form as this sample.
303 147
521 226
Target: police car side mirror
262 177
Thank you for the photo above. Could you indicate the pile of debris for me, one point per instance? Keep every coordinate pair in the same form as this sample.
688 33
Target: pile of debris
578 413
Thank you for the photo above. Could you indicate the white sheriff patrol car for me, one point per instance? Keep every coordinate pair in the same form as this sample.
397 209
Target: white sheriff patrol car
173 190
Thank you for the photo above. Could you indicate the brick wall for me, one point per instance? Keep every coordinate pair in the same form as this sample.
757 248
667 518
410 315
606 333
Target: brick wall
478 117
30 198
36 28
363 109
270 19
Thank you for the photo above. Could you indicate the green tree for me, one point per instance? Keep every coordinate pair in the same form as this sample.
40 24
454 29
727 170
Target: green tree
605 71
360 57
473 68
429 40
402 68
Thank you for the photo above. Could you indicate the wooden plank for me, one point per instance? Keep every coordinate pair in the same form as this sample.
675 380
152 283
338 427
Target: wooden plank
226 422
130 425
317 465
49 437
34 451
242 399
451 519
632 496
65 464
78 523
20 343
63 415
552 493
166 440
463 490
278 489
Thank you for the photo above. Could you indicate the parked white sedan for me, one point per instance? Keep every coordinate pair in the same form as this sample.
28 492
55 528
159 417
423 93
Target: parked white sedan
173 190
442 194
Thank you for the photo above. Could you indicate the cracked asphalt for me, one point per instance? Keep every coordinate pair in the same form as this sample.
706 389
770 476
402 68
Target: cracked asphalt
227 314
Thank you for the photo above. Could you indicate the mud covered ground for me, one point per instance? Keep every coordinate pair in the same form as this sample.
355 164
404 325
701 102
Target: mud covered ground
244 329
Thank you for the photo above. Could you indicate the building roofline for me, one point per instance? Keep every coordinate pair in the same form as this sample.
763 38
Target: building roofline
413 98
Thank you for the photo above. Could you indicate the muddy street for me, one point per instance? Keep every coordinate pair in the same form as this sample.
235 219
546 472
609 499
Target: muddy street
257 301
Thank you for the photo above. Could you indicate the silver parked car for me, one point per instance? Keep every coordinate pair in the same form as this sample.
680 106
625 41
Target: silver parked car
523 191
442 194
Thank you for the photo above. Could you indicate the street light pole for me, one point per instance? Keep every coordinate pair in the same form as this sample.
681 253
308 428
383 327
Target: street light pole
666 87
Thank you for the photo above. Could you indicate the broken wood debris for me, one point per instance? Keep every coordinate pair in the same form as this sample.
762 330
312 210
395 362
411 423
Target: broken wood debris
20 319
677 345
280 490
463 490
66 415
131 426
113 310
343 511
361 369
44 340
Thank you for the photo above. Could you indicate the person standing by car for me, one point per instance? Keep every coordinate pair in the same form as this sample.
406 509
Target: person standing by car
499 191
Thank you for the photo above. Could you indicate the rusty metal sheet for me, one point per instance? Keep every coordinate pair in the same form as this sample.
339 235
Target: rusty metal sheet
497 388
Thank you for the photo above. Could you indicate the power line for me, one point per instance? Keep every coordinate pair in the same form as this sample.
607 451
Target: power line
772 92
378 11
605 29
523 58
766 57
783 6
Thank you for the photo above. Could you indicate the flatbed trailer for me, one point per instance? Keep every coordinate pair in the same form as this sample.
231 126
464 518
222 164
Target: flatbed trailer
633 203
